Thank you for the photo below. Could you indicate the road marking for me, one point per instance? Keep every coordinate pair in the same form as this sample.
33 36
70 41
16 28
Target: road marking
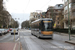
14 46
21 36
65 49
17 39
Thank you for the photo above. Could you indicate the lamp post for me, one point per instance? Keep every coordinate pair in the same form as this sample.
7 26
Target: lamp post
69 31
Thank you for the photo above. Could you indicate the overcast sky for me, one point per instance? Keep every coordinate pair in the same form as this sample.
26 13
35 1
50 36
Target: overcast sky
22 8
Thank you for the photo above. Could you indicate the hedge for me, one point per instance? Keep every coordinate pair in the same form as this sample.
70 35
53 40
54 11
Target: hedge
63 30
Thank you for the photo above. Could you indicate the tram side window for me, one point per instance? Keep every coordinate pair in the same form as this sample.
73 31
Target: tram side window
36 25
41 26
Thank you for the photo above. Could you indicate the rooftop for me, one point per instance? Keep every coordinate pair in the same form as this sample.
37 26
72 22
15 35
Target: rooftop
59 6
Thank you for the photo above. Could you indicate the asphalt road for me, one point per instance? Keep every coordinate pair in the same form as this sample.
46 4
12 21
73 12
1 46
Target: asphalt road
30 42
9 38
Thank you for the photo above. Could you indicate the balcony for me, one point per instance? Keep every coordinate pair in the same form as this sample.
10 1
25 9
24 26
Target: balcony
73 18
66 11
73 7
73 1
66 19
59 11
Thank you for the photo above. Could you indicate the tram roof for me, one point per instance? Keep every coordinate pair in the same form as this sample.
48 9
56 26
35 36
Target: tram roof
42 19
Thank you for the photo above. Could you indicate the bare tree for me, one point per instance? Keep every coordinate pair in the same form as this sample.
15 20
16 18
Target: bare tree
25 24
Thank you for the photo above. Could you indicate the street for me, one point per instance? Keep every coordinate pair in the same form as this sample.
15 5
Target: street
30 42
37 24
9 38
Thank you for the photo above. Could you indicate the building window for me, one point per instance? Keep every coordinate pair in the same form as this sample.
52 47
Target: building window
70 5
66 15
73 14
57 18
60 5
59 10
66 8
73 4
34 16
58 22
56 10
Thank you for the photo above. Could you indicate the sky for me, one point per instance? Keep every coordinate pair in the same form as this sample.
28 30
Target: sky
22 8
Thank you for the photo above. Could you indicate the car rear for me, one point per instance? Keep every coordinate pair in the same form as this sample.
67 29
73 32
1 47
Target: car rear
14 31
0 33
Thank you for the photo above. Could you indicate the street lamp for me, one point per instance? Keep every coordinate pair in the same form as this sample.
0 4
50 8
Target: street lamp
69 31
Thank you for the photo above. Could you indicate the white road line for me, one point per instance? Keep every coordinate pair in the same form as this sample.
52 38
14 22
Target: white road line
17 39
14 46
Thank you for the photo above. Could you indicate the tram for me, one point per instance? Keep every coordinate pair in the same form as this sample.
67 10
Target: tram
42 28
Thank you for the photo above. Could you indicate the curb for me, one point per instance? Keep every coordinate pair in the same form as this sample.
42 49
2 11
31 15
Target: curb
70 42
21 46
64 34
73 35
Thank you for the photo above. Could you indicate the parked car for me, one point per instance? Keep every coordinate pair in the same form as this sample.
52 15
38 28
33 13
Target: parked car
10 29
17 29
14 30
6 31
2 31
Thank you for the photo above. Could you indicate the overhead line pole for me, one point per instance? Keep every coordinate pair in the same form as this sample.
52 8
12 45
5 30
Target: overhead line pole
69 31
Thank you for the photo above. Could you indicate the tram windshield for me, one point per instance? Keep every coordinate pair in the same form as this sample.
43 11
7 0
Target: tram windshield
47 26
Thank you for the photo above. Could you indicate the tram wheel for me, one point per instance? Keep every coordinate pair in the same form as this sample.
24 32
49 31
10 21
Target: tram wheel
31 33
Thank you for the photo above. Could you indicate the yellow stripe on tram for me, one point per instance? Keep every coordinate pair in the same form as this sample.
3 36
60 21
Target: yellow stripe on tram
47 32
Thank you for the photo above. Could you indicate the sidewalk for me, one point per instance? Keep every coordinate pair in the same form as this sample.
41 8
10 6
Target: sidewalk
65 34
71 42
10 46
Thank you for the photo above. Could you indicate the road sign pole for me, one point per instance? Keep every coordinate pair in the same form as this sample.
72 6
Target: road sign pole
14 34
14 37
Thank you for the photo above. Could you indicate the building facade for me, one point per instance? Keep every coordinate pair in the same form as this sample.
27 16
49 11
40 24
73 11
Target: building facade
71 13
50 11
34 16
56 13
59 16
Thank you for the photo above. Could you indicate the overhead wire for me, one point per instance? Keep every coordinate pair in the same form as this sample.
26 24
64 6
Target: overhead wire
27 5
45 4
